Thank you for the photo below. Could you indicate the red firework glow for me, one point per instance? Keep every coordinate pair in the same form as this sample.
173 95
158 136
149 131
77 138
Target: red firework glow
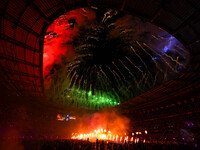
59 38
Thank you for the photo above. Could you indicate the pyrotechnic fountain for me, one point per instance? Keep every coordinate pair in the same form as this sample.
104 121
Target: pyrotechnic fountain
101 134
97 58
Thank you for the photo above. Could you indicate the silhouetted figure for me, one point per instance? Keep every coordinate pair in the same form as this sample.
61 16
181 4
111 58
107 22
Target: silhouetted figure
97 144
102 147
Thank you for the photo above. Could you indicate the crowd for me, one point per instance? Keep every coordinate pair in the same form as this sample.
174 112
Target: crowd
101 145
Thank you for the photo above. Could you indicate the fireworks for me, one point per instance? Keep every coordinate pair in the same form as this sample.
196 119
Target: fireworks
104 134
96 58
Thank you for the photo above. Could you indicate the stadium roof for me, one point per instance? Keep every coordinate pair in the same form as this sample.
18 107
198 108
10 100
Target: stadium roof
24 24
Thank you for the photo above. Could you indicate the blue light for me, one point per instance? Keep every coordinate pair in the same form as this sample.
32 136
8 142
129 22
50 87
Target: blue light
179 68
67 119
140 66
67 115
165 49
155 58
168 47
171 38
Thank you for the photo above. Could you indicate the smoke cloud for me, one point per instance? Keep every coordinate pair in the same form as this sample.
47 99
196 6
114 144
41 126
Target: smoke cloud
109 120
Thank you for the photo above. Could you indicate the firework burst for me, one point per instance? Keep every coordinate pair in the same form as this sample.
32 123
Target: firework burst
97 58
